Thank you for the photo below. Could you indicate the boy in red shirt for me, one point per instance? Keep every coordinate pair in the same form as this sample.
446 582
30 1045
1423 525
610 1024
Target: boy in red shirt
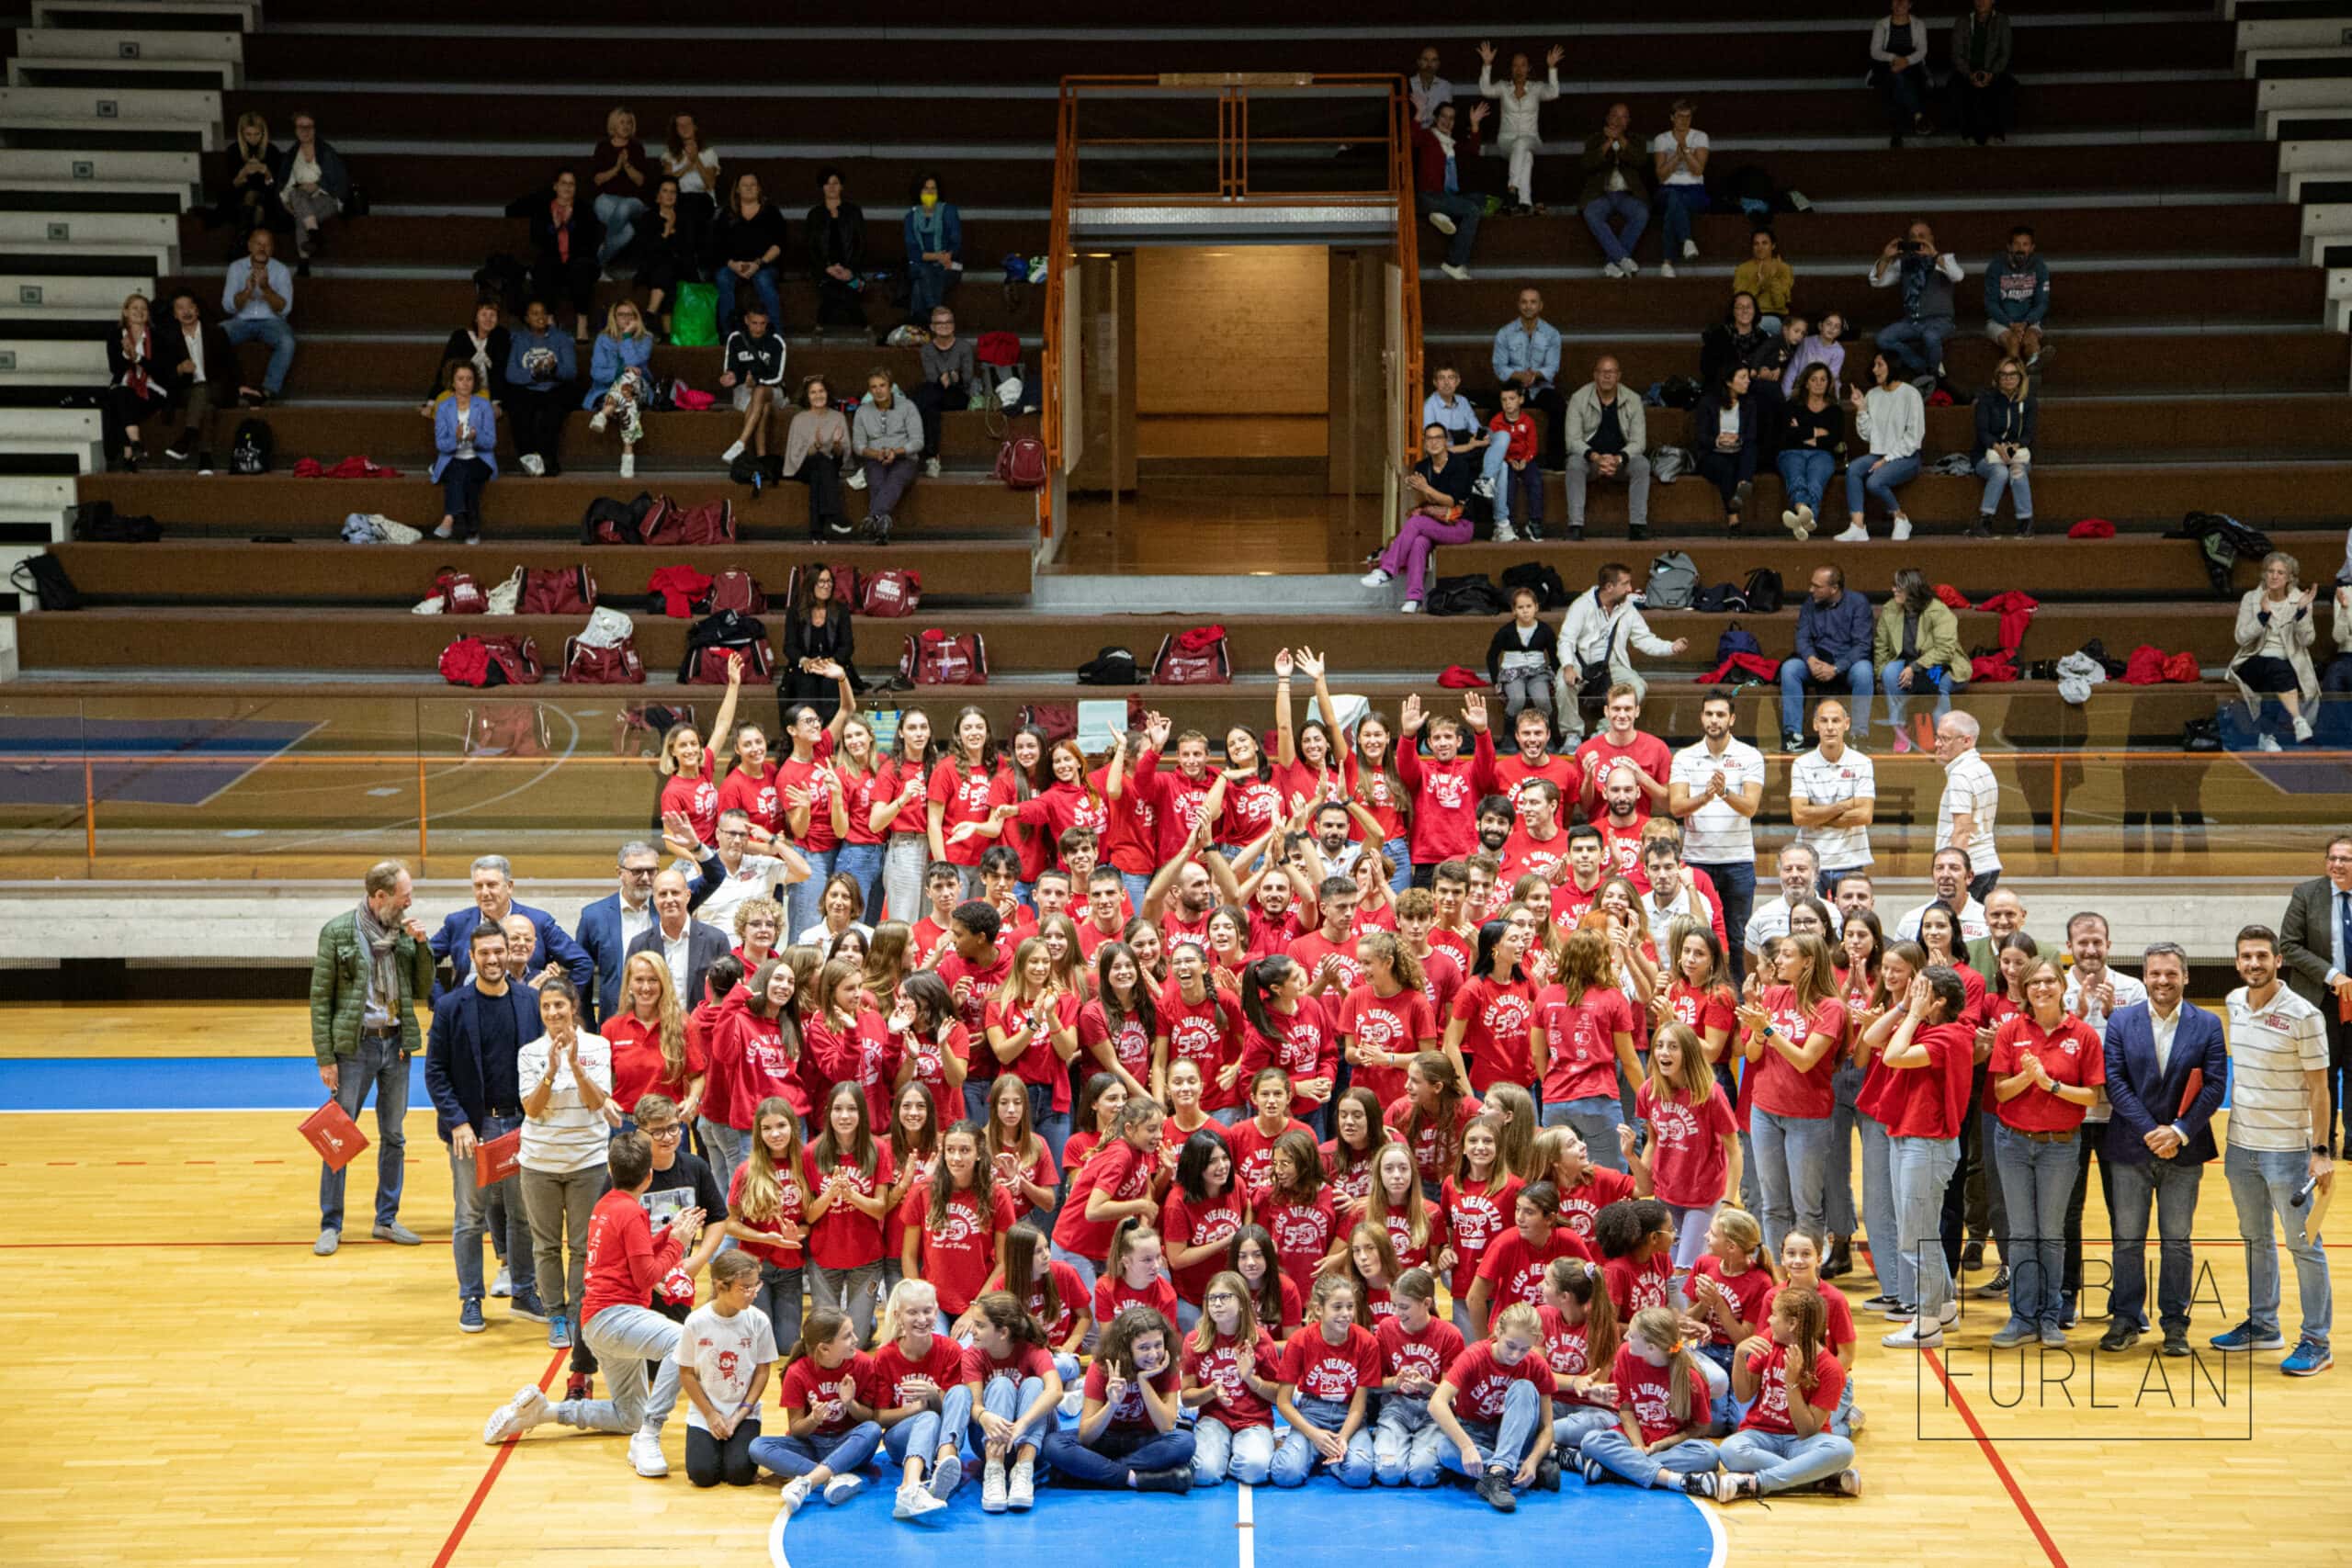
1537 843
1519 488
1446 786
626 1259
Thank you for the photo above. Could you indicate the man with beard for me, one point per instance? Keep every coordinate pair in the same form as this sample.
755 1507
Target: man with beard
1799 871
1534 758
1949 871
1674 891
1329 950
1580 888
1622 823
1537 844
1622 743
1716 787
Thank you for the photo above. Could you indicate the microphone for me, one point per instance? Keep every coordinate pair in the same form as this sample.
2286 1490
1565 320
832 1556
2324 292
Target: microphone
2303 1193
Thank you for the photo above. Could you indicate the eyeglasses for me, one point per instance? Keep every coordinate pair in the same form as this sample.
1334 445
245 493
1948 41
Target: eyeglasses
669 1134
638 873
1218 1296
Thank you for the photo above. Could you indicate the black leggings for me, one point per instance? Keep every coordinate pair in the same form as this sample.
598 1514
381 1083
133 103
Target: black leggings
710 1461
822 475
538 418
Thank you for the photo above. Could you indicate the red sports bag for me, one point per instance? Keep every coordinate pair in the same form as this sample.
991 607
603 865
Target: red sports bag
565 590
1196 658
890 593
590 664
935 659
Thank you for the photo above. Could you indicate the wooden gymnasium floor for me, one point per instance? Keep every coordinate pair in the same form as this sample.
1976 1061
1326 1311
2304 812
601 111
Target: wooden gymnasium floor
195 1386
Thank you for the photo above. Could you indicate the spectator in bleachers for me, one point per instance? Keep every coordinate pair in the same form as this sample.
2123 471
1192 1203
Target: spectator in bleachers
668 249
1824 346
1678 160
1441 150
836 236
751 368
947 372
136 379
1607 438
1916 648
465 442
888 438
2016 297
204 371
1439 489
1725 437
1428 90
1812 426
618 170
1516 132
816 444
1833 655
1980 74
1521 657
312 184
746 241
1513 477
694 166
1922 277
819 663
485 345
2338 677
1599 637
620 379
1613 173
258 296
1767 277
1768 374
251 201
564 240
2004 449
933 231
1465 427
540 368
1736 340
2275 629
1527 355
1894 420
1899 71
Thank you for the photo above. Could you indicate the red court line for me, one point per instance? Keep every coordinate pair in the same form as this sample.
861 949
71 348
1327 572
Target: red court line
54 1245
1992 1455
489 1477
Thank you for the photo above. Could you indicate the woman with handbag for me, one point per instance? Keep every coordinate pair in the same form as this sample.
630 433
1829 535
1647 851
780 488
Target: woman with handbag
1441 483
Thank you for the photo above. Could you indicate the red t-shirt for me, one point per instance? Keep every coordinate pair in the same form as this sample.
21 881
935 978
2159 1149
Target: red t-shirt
1129 1412
845 1236
1039 1062
1429 1352
929 1054
1580 1205
1930 1102
1025 843
1482 1382
1746 1291
824 788
1302 1234
1633 1286
1216 1367
1687 1160
1770 1411
1475 1216
1070 1295
1252 1148
1580 1041
1059 808
1183 1223
1513 770
1514 1271
1307 1047
1523 853
1131 1045
958 1254
1131 843
1193 1035
1301 782
915 817
965 793
2070 1053
1565 1348
638 1067
1620 853
1121 1173
1252 807
1315 1367
1648 1392
1385 802
1841 1311
790 1209
972 1008
1182 801
1114 1296
1028 1361
806 1386
1310 949
1702 1010
1446 797
1780 1088
1498 1017
696 794
888 1372
1402 1025
1349 1180
756 795
1599 755
1039 1172
624 1258
860 791
1400 1233
1436 1151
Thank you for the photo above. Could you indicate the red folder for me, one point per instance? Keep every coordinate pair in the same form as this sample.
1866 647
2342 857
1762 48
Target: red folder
332 1133
499 1158
2190 1090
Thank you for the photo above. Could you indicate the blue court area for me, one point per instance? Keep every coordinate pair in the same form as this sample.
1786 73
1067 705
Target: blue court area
1321 1525
170 762
175 1083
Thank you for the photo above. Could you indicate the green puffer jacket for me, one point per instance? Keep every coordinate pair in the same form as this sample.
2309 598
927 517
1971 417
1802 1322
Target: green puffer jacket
339 988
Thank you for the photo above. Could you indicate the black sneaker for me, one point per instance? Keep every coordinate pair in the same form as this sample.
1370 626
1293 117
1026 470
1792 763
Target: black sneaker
1177 1478
1547 1473
1972 1254
2119 1337
1701 1484
2175 1342
1982 527
1638 536
2025 527
1532 532
1998 1285
1494 1490
1792 740
1593 1469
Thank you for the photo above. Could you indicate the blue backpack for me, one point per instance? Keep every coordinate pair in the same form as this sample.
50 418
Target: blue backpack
1736 639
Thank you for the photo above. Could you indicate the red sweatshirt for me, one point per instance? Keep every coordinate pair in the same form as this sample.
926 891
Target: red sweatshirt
1445 798
624 1258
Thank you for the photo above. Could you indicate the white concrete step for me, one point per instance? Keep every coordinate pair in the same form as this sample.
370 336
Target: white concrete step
2325 224
2270 119
23 296
35 495
242 13
1140 593
2291 93
81 167
118 43
2296 32
2250 60
73 433
191 110
50 70
65 236
45 361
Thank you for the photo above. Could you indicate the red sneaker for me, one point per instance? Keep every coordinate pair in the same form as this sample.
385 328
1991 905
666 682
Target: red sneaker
578 1387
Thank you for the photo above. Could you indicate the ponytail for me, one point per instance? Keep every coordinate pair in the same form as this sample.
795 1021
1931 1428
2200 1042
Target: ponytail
1258 983
1655 1326
1580 1280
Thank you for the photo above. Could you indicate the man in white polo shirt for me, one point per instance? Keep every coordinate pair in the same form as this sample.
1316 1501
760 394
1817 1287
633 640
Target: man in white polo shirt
1799 867
2095 993
2278 1113
1715 788
1950 872
1971 799
1833 792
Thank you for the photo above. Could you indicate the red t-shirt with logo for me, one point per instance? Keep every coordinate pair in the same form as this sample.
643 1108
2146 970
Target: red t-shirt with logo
1481 1382
1514 1271
2070 1053
1780 1088
1183 1223
756 795
1402 1025
1217 1367
1581 1205
1648 1392
1688 1164
1302 1234
1770 1411
1315 1367
1580 1041
1306 1045
1193 1035
959 1253
846 1236
1498 1017
965 793
1474 1215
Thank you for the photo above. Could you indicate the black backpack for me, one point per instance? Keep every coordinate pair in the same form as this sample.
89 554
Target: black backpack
755 471
43 577
1722 599
1763 591
1550 593
1474 595
1109 667
250 452
94 521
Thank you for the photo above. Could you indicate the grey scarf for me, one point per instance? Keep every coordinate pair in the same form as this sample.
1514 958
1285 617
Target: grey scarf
382 943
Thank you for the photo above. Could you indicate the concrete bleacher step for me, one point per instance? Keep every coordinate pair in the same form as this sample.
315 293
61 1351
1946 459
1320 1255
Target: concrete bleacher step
119 43
149 72
243 13
190 113
73 435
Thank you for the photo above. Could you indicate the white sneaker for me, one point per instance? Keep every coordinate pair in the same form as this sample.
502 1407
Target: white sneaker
1630 266
841 1488
930 468
527 1409
1690 250
1411 606
1505 533
796 1492
2269 742
1376 578
1902 530
534 464
503 1285
945 1476
1611 269
1789 520
1666 269
731 453
598 423
1440 223
1073 1402
1855 533
1483 486
857 479
992 1487
1915 1336
1459 274
1804 516
913 1503
628 465
1023 1492
645 1455
1949 1313
2303 727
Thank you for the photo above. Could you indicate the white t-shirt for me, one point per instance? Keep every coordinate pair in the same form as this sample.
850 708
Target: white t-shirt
2270 1051
1972 924
755 878
725 1352
818 937
1766 923
567 1136
1664 142
2129 992
689 172
1816 779
1969 785
1715 834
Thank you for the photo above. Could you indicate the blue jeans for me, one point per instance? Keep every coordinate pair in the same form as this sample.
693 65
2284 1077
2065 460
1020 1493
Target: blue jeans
1295 1459
1894 1270
1466 212
1898 700
1879 477
1921 1168
477 1210
1915 348
1621 204
1846 1083
1854 681
1596 1119
921 1435
272 331
1047 1123
1995 475
804 900
863 862
1792 1164
1399 851
463 479
1614 1452
1676 205
2170 1186
780 1292
2262 1183
763 285
1804 475
1503 1443
378 1061
1115 1453
1135 887
1573 1423
1735 882
1218 1450
843 1452
1783 1461
1006 1399
1405 1442
618 214
927 286
724 1148
2037 1179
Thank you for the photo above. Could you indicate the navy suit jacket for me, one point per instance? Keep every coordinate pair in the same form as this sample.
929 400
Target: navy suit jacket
454 1075
705 946
600 936
453 941
2145 1101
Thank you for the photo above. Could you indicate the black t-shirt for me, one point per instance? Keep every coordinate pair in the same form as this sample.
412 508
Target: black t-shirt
1609 439
501 1044
688 1184
749 239
1454 481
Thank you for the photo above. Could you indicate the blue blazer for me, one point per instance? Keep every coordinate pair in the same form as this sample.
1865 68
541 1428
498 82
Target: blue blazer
454 1075
451 942
705 946
2145 1099
612 356
444 433
600 937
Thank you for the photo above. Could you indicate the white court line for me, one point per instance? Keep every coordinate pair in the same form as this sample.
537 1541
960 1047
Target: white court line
1706 1511
777 1558
1246 1526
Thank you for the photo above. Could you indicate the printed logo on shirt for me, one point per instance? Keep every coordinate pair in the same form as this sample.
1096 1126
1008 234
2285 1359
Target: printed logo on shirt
1450 791
1330 1376
1297 1230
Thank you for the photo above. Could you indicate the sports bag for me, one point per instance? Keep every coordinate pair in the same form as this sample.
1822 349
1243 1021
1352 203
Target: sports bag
1109 667
714 638
253 449
594 664
1056 721
1196 658
516 658
44 578
1674 582
1021 463
1736 639
847 582
1473 594
1722 599
935 659
1550 593
560 591
460 594
608 521
712 522
735 589
1763 590
890 593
